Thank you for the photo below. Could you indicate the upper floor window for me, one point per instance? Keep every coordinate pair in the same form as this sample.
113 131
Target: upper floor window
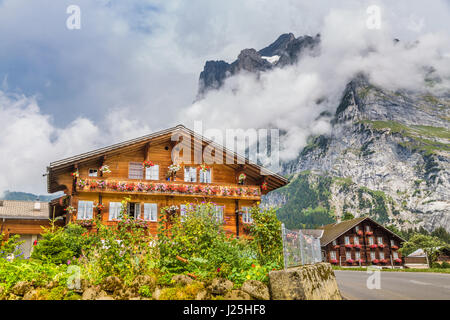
381 253
380 240
85 210
152 173
190 174
347 240
334 242
348 254
93 172
372 255
392 242
246 215
134 210
205 176
371 240
357 255
114 210
357 228
150 211
135 170
333 255
367 228
355 240
395 254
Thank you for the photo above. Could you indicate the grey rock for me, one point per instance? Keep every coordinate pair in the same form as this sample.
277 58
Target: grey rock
237 295
182 279
256 289
220 286
111 284
21 287
90 293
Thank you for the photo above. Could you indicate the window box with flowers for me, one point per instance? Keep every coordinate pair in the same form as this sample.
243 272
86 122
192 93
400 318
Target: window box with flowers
375 261
394 247
357 246
381 245
99 207
86 223
147 164
383 261
373 246
70 210
349 245
333 261
350 261
360 233
369 233
398 260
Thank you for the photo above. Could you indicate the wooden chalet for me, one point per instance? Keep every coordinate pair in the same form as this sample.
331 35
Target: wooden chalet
26 219
360 242
96 182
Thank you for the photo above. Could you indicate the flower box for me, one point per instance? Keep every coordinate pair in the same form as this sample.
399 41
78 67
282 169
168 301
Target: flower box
373 246
398 260
333 261
361 261
394 247
384 261
375 261
369 233
360 233
336 246
349 246
381 246
350 261
357 246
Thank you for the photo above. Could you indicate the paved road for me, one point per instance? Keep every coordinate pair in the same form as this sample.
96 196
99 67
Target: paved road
394 285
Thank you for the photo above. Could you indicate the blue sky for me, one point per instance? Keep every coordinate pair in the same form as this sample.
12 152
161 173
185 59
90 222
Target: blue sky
133 66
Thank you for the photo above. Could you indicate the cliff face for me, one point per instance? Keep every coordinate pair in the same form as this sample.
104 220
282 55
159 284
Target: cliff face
387 156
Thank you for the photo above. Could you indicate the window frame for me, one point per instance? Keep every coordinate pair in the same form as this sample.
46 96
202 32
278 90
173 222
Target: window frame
151 176
371 240
246 215
191 170
130 170
378 240
346 240
89 172
222 213
201 174
355 240
152 206
373 255
83 203
333 255
119 205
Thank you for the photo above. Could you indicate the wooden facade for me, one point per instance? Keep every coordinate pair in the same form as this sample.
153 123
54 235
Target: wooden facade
361 242
155 187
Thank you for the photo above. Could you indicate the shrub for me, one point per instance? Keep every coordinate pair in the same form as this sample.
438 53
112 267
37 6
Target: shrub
53 248
10 247
445 265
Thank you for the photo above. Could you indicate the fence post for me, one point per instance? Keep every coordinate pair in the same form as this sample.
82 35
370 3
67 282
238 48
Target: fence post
300 241
283 238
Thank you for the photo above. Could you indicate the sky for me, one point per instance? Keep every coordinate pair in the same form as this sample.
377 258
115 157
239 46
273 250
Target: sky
133 67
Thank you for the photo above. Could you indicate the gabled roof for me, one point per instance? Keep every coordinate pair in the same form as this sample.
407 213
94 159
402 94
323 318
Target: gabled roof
335 230
274 182
12 209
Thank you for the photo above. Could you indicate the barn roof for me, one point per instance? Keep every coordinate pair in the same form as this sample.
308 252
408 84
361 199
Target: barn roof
335 230
12 209
275 180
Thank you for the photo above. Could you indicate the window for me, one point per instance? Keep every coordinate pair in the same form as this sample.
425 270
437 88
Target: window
355 240
93 172
380 240
347 240
134 210
348 255
371 240
357 228
357 255
246 215
395 254
135 170
381 253
85 210
218 213
190 174
152 173
334 243
333 255
392 243
372 255
150 211
367 228
114 210
205 176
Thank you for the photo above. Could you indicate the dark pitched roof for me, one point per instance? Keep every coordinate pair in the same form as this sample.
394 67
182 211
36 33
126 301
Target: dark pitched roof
334 230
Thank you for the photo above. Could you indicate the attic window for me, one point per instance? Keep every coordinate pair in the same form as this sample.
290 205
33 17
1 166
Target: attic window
135 170
93 172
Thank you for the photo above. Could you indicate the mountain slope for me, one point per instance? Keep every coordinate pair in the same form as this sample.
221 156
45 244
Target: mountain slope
387 156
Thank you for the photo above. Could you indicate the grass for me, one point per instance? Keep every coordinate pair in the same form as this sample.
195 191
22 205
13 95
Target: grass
432 270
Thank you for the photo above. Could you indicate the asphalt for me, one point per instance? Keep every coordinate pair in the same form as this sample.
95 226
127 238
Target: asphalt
394 285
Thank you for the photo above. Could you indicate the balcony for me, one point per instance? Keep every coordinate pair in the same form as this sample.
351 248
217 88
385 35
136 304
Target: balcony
185 189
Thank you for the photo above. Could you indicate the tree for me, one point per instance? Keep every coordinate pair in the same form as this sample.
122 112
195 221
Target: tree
442 234
429 244
347 216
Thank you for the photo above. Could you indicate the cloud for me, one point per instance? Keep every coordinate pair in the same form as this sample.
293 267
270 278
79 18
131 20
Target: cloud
293 98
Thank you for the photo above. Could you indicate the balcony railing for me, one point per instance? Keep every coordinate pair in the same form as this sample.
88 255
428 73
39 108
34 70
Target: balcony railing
168 188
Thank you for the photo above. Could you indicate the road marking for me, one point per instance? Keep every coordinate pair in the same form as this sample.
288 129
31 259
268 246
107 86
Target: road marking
421 283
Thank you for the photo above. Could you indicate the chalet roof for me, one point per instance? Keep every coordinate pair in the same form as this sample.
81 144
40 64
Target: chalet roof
316 233
275 181
335 230
12 209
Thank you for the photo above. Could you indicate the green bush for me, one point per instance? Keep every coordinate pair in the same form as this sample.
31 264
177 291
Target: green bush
445 265
10 247
53 248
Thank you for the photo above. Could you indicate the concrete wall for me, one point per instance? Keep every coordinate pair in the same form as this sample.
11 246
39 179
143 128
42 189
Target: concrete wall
309 282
